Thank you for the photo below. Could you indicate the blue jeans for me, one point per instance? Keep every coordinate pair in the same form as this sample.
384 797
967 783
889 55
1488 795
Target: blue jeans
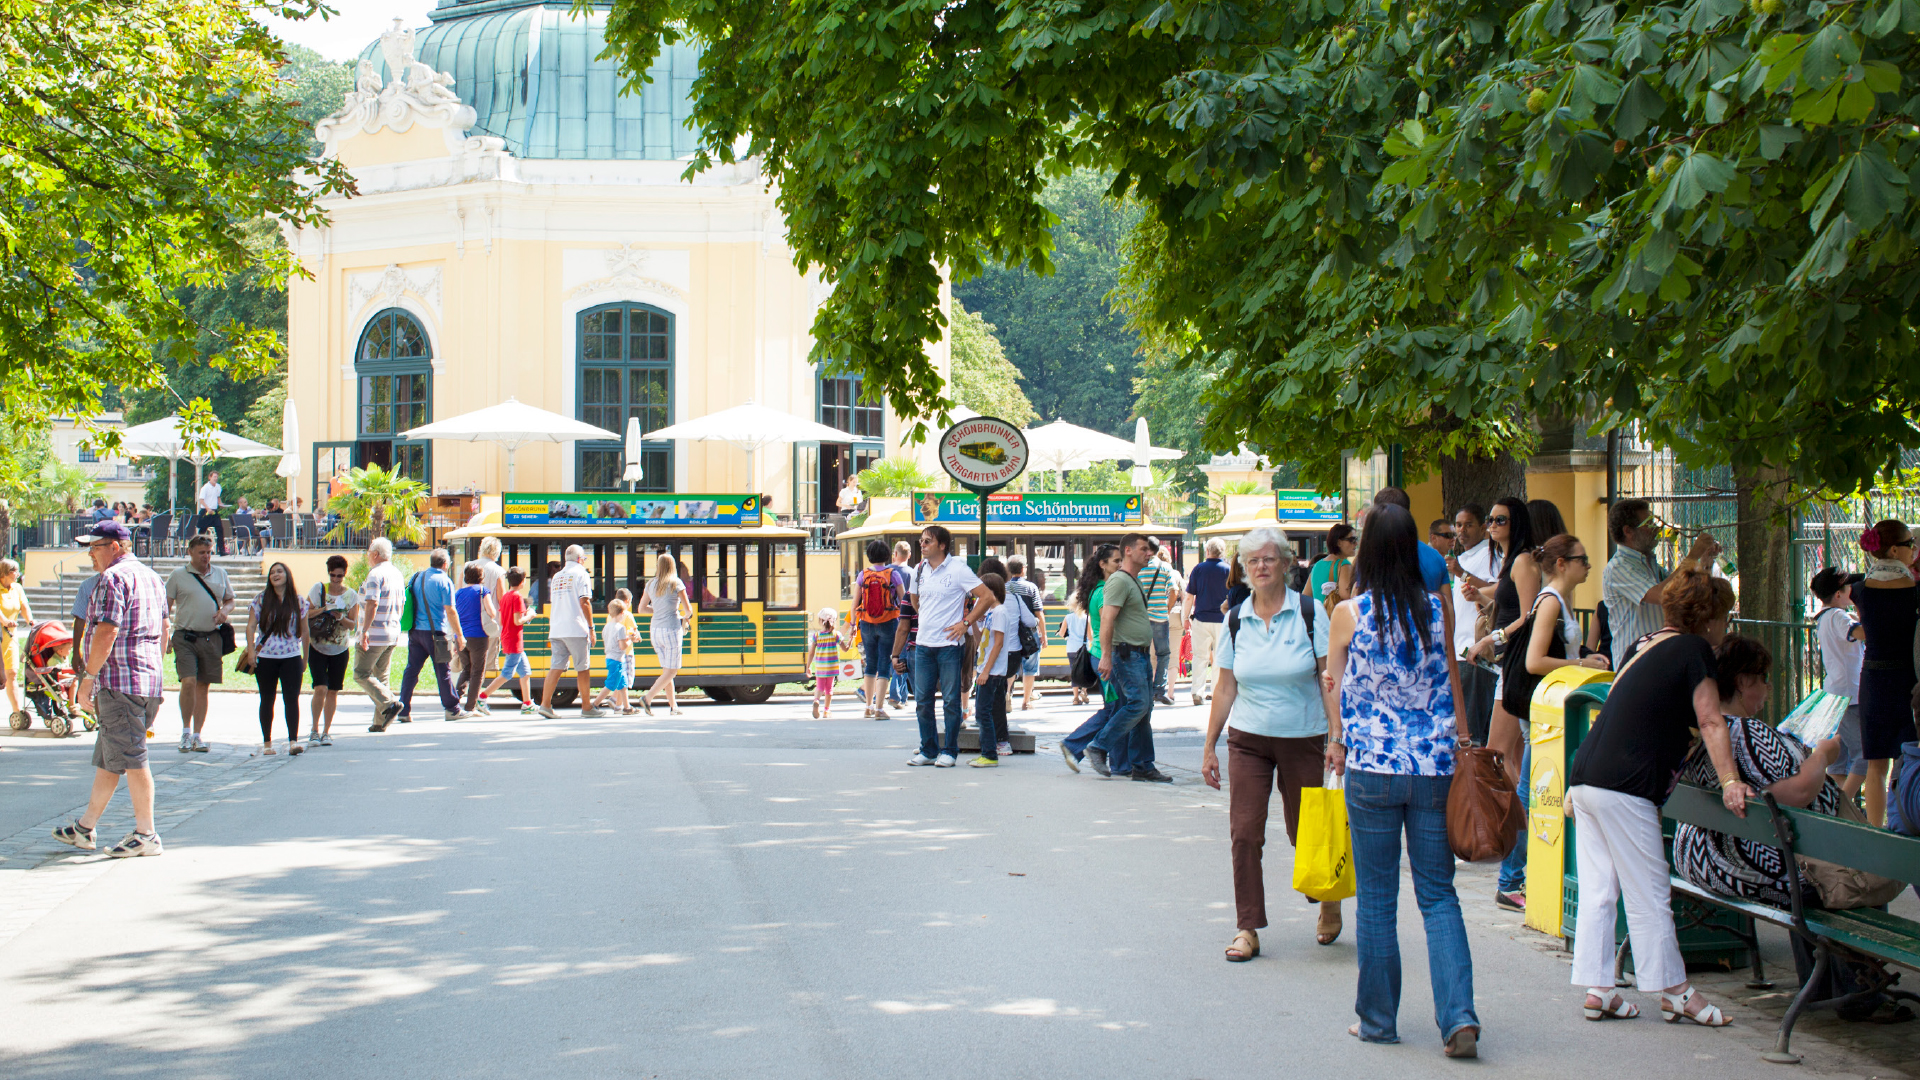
1379 807
1162 655
1513 868
1089 730
990 712
419 652
940 667
876 647
1131 677
899 685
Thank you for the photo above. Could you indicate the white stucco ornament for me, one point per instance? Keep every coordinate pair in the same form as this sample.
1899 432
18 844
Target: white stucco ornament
414 94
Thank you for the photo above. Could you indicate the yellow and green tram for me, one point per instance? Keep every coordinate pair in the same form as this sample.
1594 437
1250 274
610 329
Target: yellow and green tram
745 577
1305 516
1054 534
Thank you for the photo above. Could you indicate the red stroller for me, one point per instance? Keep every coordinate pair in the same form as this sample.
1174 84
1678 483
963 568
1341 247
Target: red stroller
50 682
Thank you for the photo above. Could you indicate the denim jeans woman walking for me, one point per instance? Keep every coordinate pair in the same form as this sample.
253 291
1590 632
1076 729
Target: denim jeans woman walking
1394 740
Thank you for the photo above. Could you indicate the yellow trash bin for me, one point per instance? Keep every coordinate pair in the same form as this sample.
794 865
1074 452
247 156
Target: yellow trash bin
1547 788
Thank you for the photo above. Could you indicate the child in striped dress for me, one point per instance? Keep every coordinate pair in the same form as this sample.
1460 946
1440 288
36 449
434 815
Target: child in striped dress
823 659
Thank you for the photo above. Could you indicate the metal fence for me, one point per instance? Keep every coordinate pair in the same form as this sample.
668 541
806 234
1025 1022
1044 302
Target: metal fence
1797 667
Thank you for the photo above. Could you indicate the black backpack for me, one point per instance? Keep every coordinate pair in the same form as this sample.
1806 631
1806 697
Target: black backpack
1307 608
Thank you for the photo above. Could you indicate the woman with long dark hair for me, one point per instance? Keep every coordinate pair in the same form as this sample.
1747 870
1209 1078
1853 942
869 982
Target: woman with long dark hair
1543 517
1510 530
1392 732
276 645
1087 595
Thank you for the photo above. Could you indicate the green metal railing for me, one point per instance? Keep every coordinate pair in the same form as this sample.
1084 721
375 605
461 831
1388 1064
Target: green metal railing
1797 668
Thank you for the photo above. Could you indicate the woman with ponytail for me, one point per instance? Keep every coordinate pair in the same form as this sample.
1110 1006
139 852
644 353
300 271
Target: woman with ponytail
1510 529
1886 601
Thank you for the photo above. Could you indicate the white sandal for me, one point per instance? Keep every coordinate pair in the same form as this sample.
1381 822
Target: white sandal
1612 1005
1674 1009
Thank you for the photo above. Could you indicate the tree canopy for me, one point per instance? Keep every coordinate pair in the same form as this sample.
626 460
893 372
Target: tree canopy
1409 221
983 379
138 140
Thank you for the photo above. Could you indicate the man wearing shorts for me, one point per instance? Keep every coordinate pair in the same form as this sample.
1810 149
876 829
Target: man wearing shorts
381 597
126 622
199 599
570 633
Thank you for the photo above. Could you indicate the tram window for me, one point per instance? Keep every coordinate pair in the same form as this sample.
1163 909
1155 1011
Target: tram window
618 567
750 572
785 589
718 567
1050 564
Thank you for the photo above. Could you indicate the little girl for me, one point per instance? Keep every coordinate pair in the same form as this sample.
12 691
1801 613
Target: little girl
625 618
618 642
823 659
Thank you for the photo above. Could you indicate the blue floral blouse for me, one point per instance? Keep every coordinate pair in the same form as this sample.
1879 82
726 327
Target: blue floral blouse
1396 705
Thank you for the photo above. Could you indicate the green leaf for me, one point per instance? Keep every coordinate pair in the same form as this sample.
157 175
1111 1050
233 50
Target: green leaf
1831 52
1820 194
1591 87
1700 175
1816 108
1640 104
1875 189
1774 140
1881 77
1716 106
1856 103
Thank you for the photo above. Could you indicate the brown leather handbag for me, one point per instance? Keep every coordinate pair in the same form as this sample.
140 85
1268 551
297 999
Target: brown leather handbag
1484 815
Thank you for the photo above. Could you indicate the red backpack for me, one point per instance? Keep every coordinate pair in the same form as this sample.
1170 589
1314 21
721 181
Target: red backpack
878 600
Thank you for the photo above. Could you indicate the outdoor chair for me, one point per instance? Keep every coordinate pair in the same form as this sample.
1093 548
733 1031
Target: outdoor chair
279 530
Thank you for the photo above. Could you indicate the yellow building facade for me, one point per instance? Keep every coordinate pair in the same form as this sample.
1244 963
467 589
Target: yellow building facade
521 229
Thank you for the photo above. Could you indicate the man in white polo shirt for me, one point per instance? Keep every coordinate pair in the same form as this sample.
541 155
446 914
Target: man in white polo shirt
570 633
940 587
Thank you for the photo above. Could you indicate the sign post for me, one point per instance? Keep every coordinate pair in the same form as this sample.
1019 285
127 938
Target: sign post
984 454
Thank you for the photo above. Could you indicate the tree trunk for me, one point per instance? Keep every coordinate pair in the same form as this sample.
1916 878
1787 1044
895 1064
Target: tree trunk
1472 479
1764 543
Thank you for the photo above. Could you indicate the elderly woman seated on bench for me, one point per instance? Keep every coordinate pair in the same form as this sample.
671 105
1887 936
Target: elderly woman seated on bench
1781 765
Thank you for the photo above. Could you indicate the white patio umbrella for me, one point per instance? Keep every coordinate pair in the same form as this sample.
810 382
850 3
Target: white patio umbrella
750 427
289 466
1064 447
513 424
634 454
162 438
1142 454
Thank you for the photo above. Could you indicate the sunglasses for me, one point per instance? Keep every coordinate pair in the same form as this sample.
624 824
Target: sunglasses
1444 535
1908 542
1582 558
1501 520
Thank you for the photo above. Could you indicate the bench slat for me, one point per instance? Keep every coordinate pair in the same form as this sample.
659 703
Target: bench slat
1848 843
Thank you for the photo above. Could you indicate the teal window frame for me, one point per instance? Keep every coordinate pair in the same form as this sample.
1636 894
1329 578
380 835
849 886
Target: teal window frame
641 365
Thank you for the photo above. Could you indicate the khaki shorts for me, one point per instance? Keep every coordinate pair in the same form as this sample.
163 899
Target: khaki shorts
576 652
121 742
197 655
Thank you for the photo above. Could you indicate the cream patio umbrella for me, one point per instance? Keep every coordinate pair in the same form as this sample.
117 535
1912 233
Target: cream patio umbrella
162 438
750 427
1064 447
513 424
289 466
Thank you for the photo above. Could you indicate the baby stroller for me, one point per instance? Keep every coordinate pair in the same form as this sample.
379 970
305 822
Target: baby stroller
50 682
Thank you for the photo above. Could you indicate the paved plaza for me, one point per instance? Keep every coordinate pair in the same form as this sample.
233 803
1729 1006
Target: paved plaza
736 892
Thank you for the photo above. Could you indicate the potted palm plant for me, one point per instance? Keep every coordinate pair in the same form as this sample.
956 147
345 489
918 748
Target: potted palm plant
379 502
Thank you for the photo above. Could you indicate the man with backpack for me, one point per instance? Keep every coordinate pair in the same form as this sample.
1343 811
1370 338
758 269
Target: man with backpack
433 634
876 610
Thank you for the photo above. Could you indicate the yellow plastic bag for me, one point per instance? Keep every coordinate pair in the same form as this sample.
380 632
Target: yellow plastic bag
1323 855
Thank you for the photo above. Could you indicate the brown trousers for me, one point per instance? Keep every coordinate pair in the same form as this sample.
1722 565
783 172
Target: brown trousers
1255 764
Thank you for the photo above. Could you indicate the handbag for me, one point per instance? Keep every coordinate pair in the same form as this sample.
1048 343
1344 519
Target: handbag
1323 852
1484 815
225 629
1516 682
1842 887
1081 671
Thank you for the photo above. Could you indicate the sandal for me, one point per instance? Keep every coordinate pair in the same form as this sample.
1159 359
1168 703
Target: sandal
1464 1043
1246 946
1612 1006
1674 1009
1328 930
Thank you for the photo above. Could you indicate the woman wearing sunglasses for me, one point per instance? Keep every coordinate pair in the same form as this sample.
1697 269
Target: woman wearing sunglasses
1886 601
1510 531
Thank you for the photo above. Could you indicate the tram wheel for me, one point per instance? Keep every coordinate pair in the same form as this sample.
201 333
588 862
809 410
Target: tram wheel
564 697
753 695
721 694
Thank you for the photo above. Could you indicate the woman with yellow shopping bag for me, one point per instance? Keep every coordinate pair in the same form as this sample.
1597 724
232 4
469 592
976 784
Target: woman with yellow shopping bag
1269 699
1393 736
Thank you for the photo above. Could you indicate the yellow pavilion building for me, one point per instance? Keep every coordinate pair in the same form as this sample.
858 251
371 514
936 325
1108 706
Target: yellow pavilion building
523 229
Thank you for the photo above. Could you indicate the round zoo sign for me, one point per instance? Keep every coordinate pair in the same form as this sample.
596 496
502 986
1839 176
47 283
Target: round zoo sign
983 452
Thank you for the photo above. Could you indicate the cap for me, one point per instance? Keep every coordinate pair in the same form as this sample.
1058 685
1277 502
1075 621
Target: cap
1830 581
106 530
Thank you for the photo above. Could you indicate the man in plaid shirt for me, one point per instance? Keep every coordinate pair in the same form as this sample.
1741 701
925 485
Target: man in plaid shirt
126 622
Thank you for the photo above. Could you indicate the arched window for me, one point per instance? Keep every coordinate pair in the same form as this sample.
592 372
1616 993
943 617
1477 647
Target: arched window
626 370
820 469
394 362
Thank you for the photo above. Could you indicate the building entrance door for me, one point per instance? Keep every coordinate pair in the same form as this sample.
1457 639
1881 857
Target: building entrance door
833 475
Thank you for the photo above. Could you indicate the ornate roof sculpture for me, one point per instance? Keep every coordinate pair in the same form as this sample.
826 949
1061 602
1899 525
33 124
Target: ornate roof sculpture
414 93
532 73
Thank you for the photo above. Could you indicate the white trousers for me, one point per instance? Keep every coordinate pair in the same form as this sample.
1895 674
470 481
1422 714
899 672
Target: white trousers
1206 648
1619 855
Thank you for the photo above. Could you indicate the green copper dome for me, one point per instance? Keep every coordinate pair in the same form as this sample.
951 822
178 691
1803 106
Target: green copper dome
529 69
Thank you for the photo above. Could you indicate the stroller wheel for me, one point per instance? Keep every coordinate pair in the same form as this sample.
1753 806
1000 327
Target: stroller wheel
60 726
87 719
20 721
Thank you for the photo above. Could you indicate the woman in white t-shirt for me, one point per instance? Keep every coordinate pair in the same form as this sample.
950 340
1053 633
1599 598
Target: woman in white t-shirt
665 599
330 638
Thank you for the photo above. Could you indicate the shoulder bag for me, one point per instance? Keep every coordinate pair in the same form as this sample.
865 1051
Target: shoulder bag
1484 815
1516 682
442 650
225 629
1842 887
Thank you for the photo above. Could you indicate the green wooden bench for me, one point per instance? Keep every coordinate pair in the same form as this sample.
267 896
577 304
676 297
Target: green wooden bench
1868 936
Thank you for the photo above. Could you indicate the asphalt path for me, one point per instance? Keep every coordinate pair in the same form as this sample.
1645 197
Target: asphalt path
739 891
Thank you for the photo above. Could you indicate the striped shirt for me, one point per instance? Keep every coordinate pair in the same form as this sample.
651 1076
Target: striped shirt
1159 582
1624 585
388 593
133 599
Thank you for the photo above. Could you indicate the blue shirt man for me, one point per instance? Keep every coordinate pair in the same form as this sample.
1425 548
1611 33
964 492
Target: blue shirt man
431 591
1208 587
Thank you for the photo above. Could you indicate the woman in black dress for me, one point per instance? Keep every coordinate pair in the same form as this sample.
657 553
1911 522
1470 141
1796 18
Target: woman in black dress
1510 530
1889 607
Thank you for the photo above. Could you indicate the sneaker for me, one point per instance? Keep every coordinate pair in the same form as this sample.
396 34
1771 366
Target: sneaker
74 834
136 845
1004 749
200 745
1511 901
1097 758
312 741
327 739
547 711
880 714
404 718
944 761
861 693
919 759
186 741
591 713
1152 775
528 709
984 762
1163 699
456 714
1068 754
483 709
